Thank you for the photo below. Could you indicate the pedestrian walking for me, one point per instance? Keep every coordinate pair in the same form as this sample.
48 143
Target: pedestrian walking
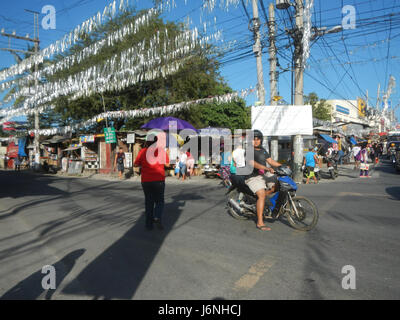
310 161
225 164
355 151
190 163
364 167
183 164
17 163
153 159
119 162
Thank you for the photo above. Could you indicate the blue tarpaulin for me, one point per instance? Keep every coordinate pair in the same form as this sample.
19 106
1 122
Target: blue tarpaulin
328 138
353 141
21 147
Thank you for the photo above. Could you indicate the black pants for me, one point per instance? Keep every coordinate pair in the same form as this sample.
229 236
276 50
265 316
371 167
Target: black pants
154 200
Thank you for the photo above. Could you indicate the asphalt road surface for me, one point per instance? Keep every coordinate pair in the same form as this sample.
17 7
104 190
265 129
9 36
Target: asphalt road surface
92 232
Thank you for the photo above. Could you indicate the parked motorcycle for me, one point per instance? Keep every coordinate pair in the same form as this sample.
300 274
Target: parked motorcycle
210 170
332 162
301 213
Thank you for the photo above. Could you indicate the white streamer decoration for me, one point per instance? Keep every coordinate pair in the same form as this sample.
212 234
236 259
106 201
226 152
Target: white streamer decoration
307 31
145 112
144 62
67 41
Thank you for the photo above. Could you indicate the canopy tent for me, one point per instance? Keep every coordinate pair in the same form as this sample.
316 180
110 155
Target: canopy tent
164 123
327 138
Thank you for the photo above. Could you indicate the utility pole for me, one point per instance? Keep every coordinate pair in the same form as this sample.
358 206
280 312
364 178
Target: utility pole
258 52
36 42
298 91
272 74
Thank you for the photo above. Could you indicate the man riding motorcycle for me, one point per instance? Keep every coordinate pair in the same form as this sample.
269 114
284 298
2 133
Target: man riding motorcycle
392 153
262 180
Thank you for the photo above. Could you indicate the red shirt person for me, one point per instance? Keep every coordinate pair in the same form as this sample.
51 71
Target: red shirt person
152 159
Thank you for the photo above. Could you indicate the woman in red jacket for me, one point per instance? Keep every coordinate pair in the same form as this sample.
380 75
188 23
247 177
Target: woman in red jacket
152 159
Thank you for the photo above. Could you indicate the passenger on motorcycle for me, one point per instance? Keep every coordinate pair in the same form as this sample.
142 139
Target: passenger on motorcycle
262 180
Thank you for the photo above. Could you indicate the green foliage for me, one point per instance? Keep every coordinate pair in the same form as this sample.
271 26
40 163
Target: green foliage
320 109
197 78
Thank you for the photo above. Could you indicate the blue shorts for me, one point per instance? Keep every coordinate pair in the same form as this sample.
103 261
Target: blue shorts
182 168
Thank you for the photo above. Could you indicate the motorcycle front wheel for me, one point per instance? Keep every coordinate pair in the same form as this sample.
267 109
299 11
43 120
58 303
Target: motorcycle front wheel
304 216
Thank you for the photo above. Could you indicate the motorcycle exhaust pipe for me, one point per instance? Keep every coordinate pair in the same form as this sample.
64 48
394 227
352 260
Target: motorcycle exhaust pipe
236 206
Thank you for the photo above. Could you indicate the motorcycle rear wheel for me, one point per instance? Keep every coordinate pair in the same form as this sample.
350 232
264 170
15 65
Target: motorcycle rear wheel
307 216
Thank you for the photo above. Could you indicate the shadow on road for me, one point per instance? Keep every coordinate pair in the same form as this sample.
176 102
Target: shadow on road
394 192
119 270
31 287
16 184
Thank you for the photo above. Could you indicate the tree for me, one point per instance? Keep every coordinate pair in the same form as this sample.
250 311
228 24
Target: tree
197 78
320 109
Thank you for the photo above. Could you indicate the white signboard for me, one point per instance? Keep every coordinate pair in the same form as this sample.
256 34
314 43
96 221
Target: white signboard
130 138
282 120
128 160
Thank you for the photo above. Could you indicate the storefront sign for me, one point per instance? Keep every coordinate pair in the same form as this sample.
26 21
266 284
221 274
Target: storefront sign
342 109
87 139
110 135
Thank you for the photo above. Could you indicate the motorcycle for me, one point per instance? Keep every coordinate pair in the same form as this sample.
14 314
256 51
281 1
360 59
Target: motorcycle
301 213
210 171
332 162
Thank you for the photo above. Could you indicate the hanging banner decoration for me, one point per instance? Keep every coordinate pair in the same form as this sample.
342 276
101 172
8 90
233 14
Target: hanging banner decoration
282 120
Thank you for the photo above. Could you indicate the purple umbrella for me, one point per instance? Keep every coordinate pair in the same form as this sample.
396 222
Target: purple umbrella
164 122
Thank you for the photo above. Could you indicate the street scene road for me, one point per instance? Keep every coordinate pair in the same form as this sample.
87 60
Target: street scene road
93 233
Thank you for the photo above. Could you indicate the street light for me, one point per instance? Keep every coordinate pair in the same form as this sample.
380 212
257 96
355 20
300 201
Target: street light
319 32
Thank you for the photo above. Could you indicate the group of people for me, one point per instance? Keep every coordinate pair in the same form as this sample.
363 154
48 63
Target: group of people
184 166
153 177
362 152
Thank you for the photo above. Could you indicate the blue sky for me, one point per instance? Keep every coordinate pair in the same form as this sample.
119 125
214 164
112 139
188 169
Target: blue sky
343 65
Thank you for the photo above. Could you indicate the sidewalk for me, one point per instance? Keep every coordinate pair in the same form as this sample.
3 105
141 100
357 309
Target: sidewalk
347 173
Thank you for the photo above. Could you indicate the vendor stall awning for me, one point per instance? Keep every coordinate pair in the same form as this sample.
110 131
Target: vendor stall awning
328 138
72 148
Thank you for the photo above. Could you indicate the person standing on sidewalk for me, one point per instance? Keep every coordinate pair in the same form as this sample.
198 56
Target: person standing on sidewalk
153 159
119 162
